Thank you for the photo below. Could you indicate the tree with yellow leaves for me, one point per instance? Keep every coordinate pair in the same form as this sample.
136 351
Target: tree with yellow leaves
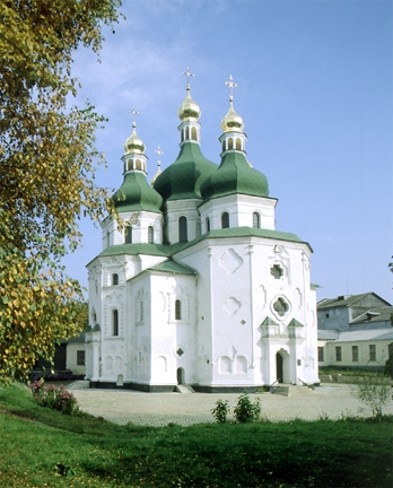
47 165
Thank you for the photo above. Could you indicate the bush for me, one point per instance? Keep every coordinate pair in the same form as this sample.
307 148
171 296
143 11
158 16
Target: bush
373 395
220 411
55 397
246 410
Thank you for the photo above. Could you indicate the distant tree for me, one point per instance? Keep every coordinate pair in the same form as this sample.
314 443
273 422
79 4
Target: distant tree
47 166
390 265
374 395
388 370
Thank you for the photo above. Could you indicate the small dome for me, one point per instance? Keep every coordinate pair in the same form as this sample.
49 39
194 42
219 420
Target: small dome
235 175
189 109
232 121
136 194
133 143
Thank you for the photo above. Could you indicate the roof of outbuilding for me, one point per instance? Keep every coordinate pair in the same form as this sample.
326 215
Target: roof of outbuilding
366 335
327 335
346 300
374 314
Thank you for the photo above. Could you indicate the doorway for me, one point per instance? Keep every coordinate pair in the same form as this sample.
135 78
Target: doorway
180 376
279 368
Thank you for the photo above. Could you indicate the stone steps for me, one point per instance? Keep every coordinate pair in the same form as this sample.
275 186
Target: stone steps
280 390
79 385
184 389
291 390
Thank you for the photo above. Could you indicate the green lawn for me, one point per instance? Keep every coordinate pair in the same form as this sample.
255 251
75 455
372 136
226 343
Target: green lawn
40 447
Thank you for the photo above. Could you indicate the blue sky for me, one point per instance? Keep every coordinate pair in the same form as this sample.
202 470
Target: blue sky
315 90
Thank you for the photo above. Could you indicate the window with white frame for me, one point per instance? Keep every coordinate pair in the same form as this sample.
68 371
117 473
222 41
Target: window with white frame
177 310
183 234
128 234
256 220
80 358
320 354
372 348
355 354
338 353
115 322
150 235
225 220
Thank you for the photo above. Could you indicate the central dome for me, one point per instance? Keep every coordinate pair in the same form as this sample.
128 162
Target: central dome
183 178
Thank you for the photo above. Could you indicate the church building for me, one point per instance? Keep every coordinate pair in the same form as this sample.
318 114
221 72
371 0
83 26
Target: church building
197 287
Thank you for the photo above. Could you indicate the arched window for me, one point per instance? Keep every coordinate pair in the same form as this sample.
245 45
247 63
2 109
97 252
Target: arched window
128 234
194 136
238 144
115 322
138 164
207 224
150 235
223 146
187 133
183 235
256 220
108 238
230 143
115 279
225 220
177 310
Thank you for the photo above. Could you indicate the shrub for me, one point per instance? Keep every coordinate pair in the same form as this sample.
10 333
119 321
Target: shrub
373 395
55 397
220 411
246 410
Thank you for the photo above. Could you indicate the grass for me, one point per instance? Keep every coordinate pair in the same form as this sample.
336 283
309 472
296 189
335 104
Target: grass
43 448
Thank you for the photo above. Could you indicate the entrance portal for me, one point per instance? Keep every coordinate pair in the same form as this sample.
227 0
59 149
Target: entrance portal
279 368
180 376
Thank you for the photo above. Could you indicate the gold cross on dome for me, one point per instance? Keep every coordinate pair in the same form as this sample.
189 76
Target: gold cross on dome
134 112
159 153
188 73
231 85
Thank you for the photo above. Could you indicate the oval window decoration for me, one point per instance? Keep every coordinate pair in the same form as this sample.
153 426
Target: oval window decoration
281 306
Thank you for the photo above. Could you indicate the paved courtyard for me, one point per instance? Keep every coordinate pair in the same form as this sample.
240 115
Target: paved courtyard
123 406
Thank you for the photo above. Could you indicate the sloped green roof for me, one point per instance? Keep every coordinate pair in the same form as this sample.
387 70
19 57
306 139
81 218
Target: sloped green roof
184 177
142 248
136 194
295 323
173 267
252 231
235 175
269 321
170 250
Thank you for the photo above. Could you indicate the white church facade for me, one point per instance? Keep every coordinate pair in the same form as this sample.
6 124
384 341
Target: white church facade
197 286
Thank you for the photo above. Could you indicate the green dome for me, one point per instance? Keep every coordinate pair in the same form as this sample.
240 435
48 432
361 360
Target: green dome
184 177
136 194
235 175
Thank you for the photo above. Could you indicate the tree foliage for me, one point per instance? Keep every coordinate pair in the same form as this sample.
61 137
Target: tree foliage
47 165
374 395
